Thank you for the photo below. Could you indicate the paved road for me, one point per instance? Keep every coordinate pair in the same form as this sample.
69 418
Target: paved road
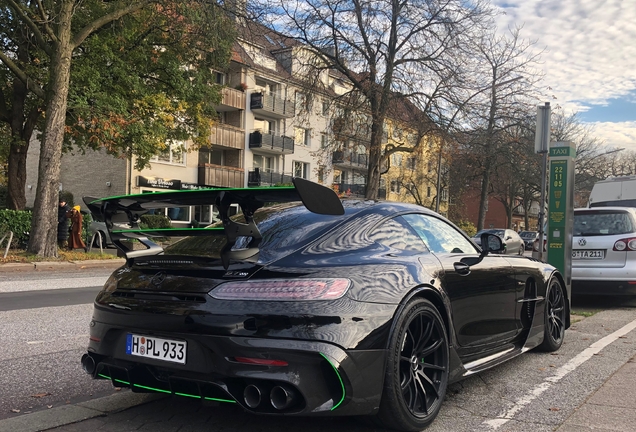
43 333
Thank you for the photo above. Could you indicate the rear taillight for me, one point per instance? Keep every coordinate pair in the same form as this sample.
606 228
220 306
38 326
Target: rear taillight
626 244
282 289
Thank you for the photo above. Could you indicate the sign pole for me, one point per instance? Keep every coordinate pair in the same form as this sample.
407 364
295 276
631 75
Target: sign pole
541 139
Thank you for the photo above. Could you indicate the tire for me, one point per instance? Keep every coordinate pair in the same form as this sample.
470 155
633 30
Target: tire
522 249
417 369
554 317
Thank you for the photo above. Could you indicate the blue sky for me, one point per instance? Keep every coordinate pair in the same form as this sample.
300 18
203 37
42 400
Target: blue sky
589 59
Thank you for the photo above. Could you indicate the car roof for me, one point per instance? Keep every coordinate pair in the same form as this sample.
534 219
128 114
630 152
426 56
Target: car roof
597 209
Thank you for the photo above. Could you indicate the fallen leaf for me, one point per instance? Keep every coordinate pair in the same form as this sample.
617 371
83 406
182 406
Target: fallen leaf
15 410
555 353
555 409
49 406
585 339
622 337
40 395
541 369
552 366
117 388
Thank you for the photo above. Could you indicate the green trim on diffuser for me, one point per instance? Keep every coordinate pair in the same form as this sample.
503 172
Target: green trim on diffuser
166 391
339 378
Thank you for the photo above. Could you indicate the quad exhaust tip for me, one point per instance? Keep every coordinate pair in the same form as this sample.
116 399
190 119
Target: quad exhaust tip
252 396
88 364
282 397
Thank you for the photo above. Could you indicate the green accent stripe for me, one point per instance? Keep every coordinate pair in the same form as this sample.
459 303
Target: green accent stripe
167 391
168 230
219 400
339 378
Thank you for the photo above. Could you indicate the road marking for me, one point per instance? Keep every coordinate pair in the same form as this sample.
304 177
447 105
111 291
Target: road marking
575 362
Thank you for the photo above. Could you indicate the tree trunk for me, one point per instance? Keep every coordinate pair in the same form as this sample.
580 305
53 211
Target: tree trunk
375 160
43 239
16 173
483 201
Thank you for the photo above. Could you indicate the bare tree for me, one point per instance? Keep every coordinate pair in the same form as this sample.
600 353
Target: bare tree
385 50
511 80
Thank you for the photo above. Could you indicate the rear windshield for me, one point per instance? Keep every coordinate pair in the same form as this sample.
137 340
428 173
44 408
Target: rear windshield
602 222
283 230
496 232
528 234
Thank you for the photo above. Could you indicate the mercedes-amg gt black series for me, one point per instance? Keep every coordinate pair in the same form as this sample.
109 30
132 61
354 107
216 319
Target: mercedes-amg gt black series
303 304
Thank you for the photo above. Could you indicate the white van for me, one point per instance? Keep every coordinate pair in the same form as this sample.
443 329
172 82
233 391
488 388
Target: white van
615 191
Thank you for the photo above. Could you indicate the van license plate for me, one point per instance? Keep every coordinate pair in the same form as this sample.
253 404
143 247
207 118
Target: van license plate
588 254
156 348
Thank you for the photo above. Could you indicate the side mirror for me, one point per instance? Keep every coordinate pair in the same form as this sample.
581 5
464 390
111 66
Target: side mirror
491 243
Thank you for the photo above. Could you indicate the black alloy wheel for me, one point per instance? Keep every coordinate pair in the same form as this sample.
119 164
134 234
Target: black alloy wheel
417 369
555 310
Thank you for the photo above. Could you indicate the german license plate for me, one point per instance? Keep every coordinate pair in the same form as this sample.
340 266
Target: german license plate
588 254
156 348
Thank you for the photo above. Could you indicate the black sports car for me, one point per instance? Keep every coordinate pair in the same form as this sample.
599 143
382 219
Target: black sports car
320 308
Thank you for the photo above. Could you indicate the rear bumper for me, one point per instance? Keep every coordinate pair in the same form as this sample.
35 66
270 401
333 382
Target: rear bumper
323 378
603 288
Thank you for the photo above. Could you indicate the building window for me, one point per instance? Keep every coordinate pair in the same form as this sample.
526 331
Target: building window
396 159
220 78
323 140
444 195
428 192
430 166
321 174
411 163
302 136
325 108
395 186
174 153
265 126
264 163
301 169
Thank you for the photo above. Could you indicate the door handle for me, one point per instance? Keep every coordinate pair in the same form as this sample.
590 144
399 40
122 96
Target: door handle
461 268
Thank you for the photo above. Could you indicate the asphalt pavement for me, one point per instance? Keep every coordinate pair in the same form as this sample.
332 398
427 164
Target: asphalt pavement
610 407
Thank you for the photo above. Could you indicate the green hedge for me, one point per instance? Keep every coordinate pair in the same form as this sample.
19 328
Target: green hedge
154 221
18 221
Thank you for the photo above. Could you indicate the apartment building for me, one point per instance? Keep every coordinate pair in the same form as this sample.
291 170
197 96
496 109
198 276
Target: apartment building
282 115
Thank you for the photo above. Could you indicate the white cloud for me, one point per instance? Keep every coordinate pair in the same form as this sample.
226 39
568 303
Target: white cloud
590 53
617 134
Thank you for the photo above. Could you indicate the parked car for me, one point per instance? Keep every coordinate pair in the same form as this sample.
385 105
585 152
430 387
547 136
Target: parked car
528 238
513 244
320 308
97 230
604 251
614 191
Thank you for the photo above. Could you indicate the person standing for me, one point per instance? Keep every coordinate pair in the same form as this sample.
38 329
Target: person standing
62 223
75 240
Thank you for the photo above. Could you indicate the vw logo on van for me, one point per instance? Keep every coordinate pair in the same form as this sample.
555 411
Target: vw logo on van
582 242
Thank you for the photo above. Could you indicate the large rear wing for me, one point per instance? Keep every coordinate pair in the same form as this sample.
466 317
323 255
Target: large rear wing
126 210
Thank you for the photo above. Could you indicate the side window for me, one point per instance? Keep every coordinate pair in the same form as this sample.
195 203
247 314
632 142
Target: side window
397 234
438 235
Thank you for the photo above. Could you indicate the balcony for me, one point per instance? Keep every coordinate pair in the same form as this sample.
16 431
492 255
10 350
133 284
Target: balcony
272 105
350 190
349 159
271 143
221 176
258 177
227 136
231 100
351 129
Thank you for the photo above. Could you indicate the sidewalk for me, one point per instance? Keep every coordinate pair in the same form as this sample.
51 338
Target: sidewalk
62 265
611 408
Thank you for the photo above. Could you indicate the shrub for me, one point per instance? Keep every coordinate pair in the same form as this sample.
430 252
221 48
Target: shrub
154 221
468 227
18 221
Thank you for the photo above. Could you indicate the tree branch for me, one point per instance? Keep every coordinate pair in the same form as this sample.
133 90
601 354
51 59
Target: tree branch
47 28
102 21
34 28
22 76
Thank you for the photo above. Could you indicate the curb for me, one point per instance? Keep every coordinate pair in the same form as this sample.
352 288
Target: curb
61 265
68 414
